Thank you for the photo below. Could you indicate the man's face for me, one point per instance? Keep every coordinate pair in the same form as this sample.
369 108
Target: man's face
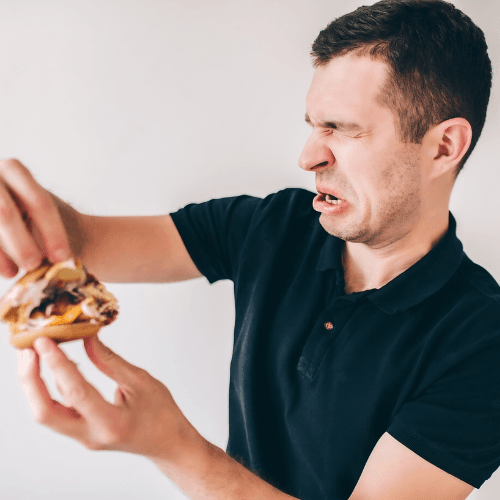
356 154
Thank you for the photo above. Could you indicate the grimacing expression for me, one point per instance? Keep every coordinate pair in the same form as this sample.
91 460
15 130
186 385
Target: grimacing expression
354 149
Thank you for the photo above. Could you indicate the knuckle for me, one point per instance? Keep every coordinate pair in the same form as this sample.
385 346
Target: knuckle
9 163
57 242
42 415
120 433
8 268
41 203
8 210
13 165
141 376
76 393
30 257
112 438
94 445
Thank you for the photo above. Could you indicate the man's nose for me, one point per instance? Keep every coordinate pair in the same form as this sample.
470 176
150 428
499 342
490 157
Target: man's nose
315 155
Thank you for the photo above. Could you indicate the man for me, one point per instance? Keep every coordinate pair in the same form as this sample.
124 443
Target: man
367 345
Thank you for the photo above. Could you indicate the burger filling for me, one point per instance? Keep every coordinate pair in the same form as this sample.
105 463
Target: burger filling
60 298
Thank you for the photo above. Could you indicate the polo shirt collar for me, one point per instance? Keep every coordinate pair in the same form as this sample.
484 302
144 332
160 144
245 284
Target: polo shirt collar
331 254
415 284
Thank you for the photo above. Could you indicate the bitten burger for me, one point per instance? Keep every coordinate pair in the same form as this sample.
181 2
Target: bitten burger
61 301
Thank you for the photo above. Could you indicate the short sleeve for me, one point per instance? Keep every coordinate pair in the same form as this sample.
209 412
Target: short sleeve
455 423
214 233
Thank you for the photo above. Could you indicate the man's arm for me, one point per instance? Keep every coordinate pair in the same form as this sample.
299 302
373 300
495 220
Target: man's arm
136 249
35 223
145 420
393 471
140 249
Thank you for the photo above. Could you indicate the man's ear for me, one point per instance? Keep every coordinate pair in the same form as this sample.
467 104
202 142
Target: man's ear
446 144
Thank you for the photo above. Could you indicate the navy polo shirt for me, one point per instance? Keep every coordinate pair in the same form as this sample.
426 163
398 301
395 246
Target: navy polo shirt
317 376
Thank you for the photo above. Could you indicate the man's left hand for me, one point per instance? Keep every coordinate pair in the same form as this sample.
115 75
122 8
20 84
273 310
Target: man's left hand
144 418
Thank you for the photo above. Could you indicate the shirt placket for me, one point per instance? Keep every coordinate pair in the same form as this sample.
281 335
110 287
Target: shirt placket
326 330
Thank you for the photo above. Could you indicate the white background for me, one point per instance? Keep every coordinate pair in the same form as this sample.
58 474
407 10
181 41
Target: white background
138 108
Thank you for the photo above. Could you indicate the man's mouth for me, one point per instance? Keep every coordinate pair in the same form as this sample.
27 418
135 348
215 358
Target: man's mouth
330 203
333 200
331 196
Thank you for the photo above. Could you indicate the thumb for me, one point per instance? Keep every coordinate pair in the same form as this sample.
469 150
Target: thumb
108 361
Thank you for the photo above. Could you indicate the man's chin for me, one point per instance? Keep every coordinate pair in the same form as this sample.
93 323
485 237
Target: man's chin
341 230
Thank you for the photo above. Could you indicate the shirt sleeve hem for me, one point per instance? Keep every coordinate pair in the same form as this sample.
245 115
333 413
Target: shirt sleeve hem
193 247
430 453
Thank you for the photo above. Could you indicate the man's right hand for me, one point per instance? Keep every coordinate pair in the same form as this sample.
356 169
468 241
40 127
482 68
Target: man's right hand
31 227
35 223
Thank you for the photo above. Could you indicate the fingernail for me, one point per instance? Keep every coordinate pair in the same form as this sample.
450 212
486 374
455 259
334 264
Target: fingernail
27 354
32 264
60 255
42 345
24 354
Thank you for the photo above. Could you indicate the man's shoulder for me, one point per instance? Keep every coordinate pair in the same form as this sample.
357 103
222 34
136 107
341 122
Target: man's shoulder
471 303
291 197
294 201
481 284
289 208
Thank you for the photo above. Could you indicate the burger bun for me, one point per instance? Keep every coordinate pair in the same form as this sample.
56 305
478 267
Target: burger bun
60 333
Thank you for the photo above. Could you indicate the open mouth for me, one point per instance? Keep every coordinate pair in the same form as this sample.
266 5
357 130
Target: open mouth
333 200
329 198
330 204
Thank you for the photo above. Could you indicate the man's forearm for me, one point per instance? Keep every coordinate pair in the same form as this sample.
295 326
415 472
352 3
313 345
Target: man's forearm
211 474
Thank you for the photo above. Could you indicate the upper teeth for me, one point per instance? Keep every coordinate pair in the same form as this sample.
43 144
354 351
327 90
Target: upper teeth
330 199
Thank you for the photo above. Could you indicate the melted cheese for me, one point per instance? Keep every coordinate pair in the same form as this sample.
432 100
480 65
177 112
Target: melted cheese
68 317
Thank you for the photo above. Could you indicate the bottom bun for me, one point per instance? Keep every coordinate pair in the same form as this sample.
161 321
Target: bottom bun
60 333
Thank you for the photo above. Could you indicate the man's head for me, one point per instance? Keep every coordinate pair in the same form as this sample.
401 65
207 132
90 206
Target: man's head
397 101
437 57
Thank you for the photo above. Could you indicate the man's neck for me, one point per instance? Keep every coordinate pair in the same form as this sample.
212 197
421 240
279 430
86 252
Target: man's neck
366 268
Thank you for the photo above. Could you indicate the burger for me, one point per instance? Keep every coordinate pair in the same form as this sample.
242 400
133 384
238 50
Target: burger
61 301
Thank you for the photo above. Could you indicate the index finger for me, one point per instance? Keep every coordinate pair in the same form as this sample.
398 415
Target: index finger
45 409
73 387
40 208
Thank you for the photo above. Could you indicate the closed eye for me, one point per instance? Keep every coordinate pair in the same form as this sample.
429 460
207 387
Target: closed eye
338 125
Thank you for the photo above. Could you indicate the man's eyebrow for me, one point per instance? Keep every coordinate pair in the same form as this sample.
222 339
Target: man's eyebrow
339 125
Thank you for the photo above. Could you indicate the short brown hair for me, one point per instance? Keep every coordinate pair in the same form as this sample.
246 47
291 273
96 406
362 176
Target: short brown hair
439 67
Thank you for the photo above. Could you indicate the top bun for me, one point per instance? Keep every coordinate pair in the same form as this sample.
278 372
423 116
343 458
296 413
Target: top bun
46 273
54 295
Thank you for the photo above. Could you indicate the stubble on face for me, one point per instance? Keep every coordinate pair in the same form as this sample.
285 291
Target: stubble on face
390 209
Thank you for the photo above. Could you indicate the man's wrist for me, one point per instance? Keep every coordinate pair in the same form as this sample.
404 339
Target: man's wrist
75 225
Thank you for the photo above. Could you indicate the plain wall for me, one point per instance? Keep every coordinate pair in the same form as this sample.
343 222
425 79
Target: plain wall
139 108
